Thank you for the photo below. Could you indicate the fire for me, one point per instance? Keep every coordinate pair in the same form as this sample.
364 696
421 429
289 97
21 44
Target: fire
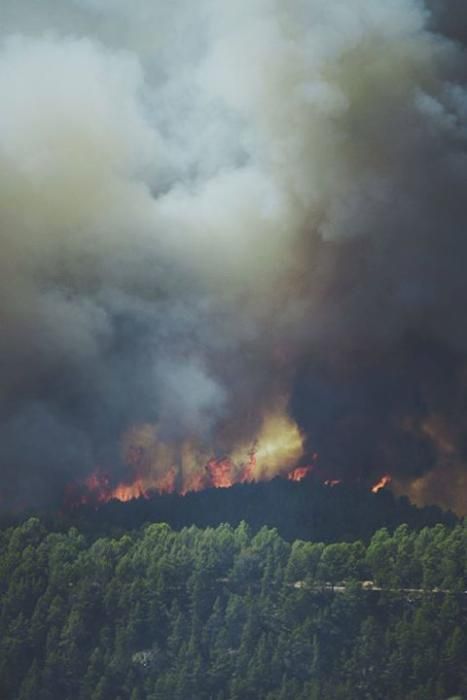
159 467
278 447
127 492
220 472
97 488
224 473
300 473
384 481
216 473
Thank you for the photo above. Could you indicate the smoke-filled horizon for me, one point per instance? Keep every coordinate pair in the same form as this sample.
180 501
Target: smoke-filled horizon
229 224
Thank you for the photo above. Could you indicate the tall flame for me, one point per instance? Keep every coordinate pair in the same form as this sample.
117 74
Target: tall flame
300 473
162 467
381 483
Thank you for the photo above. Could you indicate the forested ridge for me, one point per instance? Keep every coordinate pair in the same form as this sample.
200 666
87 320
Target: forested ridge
307 510
225 614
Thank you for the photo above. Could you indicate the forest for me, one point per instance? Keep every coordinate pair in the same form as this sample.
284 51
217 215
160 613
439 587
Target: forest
229 613
306 510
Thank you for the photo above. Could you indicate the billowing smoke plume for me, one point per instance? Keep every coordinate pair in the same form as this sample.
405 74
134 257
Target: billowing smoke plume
217 217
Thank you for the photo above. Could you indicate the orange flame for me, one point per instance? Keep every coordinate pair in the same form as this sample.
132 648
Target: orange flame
300 473
159 466
384 481
220 473
127 492
217 473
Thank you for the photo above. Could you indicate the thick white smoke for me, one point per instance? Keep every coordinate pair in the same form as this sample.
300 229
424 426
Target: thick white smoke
196 198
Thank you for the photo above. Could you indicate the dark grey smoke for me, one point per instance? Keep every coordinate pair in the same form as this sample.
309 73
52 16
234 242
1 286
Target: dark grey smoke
210 211
449 18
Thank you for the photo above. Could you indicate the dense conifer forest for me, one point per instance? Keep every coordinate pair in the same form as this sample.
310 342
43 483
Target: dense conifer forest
229 614
307 510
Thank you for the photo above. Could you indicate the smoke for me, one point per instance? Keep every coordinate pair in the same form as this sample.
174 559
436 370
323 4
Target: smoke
212 211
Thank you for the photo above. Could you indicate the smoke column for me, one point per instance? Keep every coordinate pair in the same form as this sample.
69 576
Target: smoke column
217 218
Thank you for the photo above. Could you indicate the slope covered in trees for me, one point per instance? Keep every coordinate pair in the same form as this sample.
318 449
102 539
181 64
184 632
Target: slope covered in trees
221 614
308 510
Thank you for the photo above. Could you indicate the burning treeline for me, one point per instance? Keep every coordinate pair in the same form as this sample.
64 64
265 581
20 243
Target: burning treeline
190 474
155 467
232 234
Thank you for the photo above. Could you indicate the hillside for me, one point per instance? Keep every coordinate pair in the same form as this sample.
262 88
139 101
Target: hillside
221 614
308 510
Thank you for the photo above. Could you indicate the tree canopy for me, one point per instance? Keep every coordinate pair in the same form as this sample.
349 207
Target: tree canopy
228 614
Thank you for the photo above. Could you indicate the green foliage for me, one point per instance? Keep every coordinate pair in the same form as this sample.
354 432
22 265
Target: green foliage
224 614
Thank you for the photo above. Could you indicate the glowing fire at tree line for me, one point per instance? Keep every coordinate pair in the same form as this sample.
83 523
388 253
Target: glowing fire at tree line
97 488
158 467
